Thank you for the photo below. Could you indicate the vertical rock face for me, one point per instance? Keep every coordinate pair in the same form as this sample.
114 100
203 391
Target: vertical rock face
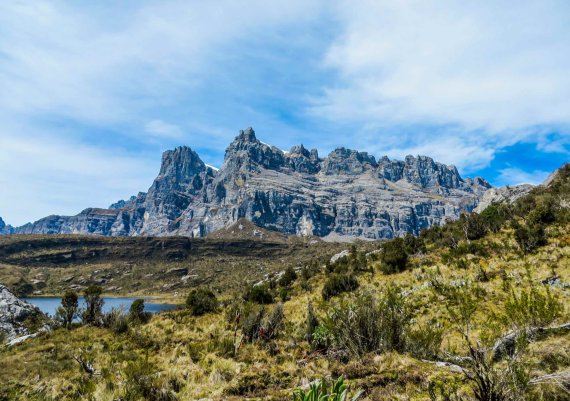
348 193
5 228
13 314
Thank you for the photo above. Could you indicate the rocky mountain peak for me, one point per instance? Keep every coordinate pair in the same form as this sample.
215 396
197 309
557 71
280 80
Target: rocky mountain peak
5 228
246 135
181 163
348 161
299 150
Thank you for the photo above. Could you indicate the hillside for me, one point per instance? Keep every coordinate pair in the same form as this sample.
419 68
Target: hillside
51 264
428 321
346 194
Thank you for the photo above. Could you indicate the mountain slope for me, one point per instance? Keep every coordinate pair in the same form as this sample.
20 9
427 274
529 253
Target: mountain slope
348 193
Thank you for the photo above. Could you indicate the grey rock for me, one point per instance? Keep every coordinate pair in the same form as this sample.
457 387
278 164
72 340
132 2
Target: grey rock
348 194
339 255
13 313
502 195
5 228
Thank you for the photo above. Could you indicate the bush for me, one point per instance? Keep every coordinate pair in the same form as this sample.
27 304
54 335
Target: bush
116 320
473 225
68 309
259 294
201 301
311 324
257 326
93 313
370 324
142 382
137 313
532 308
288 277
529 237
424 341
394 256
495 215
337 284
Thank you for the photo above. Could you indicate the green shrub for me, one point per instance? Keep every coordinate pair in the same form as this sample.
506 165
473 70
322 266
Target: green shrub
394 256
68 309
495 215
93 313
473 225
257 326
529 237
116 320
424 341
337 284
312 322
288 277
259 294
142 382
533 307
370 324
201 301
137 313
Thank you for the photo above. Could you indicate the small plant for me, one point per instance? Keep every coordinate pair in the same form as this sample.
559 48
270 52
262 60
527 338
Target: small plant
68 309
93 313
320 391
533 307
529 237
312 323
257 326
394 256
288 277
370 324
116 320
201 301
259 294
337 284
137 313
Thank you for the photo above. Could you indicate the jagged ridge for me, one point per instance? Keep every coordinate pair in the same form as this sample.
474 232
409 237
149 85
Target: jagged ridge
348 193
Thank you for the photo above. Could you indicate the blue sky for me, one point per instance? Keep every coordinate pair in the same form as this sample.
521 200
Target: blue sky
91 93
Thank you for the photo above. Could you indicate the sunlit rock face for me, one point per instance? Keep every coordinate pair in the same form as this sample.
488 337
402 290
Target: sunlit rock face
13 312
347 193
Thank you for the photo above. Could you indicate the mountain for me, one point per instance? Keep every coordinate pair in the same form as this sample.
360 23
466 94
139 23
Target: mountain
5 228
346 194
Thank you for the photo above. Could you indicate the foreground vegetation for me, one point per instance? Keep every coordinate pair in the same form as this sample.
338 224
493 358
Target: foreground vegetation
475 310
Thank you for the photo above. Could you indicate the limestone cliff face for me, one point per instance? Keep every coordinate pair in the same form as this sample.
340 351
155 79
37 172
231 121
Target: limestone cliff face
13 313
348 193
502 195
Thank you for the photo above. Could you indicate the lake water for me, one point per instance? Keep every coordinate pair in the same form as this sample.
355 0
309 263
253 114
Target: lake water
50 304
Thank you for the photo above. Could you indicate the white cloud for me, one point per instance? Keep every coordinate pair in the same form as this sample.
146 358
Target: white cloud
516 176
88 63
490 69
162 129
43 175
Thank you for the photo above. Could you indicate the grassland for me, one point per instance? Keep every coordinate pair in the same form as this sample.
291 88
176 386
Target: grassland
461 289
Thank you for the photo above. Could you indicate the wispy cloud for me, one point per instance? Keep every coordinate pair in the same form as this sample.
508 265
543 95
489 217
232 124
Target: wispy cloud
162 129
516 176
489 70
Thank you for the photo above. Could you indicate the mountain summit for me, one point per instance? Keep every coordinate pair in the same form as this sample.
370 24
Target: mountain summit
346 194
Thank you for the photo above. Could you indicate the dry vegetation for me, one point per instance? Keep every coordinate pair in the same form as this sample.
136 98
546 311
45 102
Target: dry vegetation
421 325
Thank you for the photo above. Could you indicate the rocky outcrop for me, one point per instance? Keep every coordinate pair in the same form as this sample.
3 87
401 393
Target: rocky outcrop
13 314
347 194
502 195
5 228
